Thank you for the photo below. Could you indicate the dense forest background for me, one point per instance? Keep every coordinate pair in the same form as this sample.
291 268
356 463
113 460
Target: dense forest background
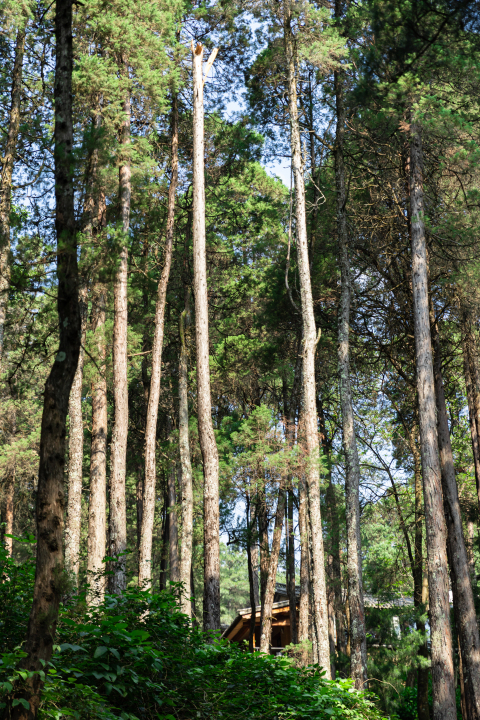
338 450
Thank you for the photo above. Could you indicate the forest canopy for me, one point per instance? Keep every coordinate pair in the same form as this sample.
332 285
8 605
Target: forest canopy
239 359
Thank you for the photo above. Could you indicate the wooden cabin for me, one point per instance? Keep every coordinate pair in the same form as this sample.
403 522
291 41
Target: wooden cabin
239 630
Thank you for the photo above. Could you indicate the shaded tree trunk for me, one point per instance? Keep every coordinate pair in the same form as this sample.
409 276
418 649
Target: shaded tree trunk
253 590
304 568
266 615
174 560
97 507
186 465
50 500
309 413
466 621
118 511
357 634
208 445
262 516
8 513
444 707
471 398
165 539
8 162
149 485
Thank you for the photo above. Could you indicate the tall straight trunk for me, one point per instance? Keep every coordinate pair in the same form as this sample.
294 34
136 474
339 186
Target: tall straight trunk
118 511
470 550
266 615
471 397
165 538
262 515
8 162
75 454
97 506
419 597
50 500
290 542
309 412
173 556
186 464
208 445
304 566
149 485
357 634
463 601
444 707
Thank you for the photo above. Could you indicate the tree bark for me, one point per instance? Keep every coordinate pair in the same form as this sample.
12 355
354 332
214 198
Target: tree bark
97 506
185 461
149 485
75 454
444 707
466 621
8 162
8 513
304 568
118 511
208 445
50 500
266 615
251 521
309 413
174 560
357 634
469 383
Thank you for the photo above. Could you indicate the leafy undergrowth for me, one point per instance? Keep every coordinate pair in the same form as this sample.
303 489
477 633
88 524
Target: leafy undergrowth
137 657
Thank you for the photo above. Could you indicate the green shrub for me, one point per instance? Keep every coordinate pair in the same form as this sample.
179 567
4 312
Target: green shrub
136 657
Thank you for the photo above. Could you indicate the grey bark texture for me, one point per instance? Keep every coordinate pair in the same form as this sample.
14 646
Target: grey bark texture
444 707
208 445
469 364
50 500
97 506
186 484
304 563
118 459
357 635
309 411
150 481
173 555
463 601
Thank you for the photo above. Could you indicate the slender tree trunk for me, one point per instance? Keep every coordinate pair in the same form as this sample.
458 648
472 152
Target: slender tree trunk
97 506
262 516
118 511
165 539
50 501
149 485
139 505
304 568
419 595
8 511
186 475
472 414
309 413
463 601
174 560
208 445
290 542
75 455
358 642
444 707
8 162
251 576
266 616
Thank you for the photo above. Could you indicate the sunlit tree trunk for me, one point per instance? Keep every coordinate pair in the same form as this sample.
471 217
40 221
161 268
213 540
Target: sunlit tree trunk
444 707
211 521
290 543
8 162
8 511
186 464
118 511
149 485
309 412
50 500
463 601
97 506
358 642
266 616
468 365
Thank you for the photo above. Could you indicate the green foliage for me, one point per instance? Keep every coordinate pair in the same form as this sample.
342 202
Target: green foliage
137 657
